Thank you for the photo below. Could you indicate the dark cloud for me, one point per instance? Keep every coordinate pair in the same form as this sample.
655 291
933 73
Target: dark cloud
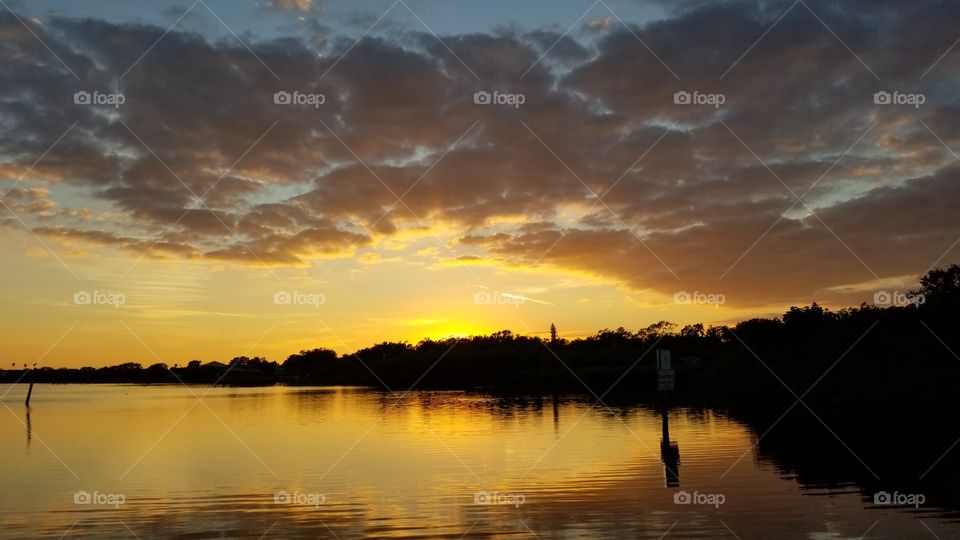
686 190
160 248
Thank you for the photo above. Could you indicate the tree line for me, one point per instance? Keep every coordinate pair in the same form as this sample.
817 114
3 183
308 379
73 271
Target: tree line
860 353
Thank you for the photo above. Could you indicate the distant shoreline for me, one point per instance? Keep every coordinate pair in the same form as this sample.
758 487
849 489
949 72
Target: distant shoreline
865 354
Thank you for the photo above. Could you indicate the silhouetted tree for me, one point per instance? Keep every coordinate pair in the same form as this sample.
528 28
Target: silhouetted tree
158 372
941 286
692 330
310 363
755 359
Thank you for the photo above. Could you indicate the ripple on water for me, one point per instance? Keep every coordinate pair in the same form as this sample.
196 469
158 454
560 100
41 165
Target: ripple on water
416 469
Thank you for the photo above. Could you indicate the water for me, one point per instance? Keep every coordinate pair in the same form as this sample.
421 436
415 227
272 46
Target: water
286 462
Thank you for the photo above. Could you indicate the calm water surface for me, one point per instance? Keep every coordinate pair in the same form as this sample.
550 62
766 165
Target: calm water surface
287 462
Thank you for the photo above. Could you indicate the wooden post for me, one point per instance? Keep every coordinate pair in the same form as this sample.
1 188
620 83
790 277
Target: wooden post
29 391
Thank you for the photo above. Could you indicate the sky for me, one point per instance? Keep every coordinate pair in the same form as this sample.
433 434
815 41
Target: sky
217 178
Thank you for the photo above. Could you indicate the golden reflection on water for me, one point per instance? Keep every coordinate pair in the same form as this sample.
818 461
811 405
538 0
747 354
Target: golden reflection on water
359 463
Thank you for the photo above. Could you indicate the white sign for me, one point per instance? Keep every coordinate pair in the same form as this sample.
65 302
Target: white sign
663 359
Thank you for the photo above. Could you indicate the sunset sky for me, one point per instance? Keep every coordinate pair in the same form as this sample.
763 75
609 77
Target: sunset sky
193 212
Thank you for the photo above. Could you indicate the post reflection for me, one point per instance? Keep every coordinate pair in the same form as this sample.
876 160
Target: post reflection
556 416
29 431
669 453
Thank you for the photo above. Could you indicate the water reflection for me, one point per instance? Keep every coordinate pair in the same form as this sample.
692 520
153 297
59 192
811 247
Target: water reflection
27 426
434 464
669 452
556 415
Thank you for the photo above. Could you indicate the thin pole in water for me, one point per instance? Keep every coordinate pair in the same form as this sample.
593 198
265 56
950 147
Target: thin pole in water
29 391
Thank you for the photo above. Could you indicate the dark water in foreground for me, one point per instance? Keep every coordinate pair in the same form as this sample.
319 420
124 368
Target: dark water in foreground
157 462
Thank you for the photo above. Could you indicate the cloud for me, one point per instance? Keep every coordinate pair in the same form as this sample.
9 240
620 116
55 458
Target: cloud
599 171
291 5
32 200
160 248
599 23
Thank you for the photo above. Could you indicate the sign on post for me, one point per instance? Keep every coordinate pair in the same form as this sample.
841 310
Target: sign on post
666 378
663 359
